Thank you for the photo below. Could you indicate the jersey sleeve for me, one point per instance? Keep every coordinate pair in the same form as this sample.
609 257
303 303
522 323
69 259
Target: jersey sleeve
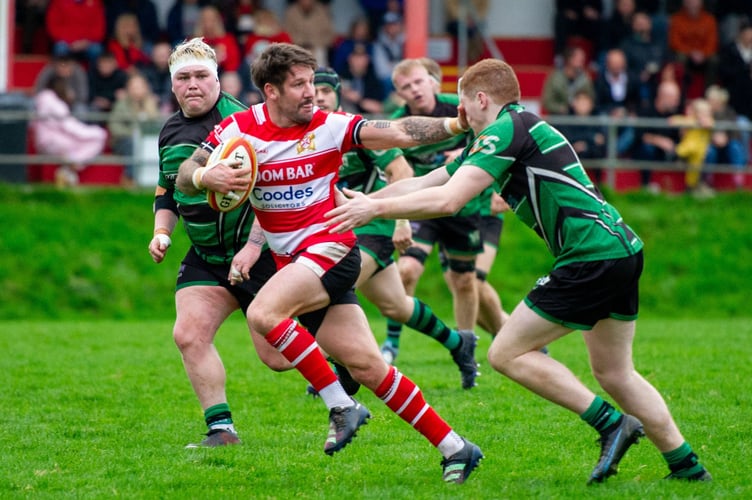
343 127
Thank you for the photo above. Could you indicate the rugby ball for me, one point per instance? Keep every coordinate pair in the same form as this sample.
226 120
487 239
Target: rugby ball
236 148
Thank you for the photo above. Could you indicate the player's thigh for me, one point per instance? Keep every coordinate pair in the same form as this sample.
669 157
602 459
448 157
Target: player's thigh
523 332
201 310
386 291
485 259
346 336
294 289
609 346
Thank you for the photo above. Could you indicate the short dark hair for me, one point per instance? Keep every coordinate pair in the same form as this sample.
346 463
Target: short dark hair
276 61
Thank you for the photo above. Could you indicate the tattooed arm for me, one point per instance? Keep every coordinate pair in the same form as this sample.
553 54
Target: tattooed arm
409 131
193 176
184 181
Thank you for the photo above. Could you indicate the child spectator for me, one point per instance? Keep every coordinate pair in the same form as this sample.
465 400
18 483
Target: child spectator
75 76
310 25
211 27
105 81
694 143
76 28
126 43
135 105
58 132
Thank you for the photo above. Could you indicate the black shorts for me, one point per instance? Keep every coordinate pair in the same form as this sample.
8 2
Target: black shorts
490 230
457 235
378 246
340 279
579 295
338 282
195 271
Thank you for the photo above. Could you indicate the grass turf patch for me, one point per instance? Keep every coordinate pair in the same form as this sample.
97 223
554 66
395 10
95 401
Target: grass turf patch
101 409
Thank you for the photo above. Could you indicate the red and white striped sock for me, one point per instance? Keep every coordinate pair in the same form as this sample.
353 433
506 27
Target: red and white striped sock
405 399
299 347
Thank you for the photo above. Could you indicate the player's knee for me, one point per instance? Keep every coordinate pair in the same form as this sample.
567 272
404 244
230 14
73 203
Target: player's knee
496 358
260 319
190 337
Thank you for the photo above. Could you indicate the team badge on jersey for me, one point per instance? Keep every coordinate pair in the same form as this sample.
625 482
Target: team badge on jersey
307 143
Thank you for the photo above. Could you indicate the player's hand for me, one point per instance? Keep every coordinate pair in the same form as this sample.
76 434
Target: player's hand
158 247
354 209
403 236
463 117
242 263
224 176
498 204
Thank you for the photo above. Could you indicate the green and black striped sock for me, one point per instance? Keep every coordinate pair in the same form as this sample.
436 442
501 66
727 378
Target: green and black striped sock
601 415
683 462
426 322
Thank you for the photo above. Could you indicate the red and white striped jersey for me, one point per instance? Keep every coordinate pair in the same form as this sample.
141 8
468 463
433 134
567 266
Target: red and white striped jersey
297 170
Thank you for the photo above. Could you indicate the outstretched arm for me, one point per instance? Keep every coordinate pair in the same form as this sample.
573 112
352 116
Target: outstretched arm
409 131
439 200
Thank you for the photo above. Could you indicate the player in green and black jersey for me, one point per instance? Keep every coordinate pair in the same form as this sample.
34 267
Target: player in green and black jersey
593 286
366 171
458 235
206 293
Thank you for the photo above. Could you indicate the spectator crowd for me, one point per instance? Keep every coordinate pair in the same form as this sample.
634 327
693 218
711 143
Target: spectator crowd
618 58
687 63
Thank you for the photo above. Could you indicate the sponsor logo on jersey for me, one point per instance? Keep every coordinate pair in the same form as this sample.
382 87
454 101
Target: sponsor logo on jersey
290 173
307 143
291 197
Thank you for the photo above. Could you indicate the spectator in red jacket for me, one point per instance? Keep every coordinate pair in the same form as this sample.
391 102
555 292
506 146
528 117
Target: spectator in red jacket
76 27
211 27
693 39
126 43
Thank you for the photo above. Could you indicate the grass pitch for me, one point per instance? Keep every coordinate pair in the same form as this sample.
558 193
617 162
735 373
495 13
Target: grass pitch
103 409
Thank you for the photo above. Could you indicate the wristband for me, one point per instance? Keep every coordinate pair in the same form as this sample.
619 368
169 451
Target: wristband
163 239
198 176
453 127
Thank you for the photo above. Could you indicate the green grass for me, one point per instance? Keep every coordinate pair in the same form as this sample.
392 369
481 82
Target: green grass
83 254
102 409
96 403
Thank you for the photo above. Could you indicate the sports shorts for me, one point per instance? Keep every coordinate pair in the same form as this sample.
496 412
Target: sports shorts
457 235
490 230
338 282
490 234
342 266
378 246
579 295
195 271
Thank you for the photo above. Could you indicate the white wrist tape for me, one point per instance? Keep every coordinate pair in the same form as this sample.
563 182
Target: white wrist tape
163 239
